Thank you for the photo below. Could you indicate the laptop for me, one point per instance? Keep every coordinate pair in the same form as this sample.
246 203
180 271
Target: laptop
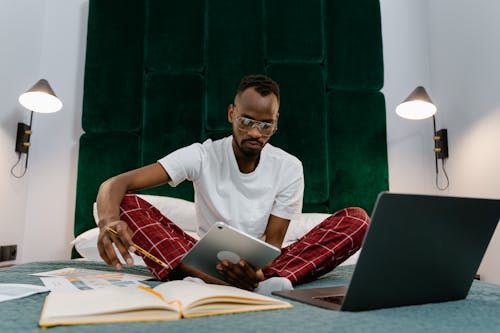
418 249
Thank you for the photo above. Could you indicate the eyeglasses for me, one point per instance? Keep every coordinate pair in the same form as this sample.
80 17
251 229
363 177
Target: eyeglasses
246 124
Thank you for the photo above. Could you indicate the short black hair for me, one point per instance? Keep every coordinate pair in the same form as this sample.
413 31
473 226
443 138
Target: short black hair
262 84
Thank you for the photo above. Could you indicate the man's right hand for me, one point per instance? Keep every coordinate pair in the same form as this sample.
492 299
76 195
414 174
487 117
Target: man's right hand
109 197
123 242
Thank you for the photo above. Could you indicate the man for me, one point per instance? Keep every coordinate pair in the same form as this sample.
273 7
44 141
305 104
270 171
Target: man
240 180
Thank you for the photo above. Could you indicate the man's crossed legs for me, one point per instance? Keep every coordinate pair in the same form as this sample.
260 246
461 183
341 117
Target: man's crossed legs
319 251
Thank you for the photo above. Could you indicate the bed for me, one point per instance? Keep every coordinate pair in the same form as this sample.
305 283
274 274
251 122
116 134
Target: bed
477 313
160 74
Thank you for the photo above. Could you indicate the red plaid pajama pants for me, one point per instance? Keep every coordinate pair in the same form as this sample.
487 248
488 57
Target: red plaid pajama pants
316 253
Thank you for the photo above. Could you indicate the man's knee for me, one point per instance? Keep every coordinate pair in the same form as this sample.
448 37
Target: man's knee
359 214
130 201
359 219
353 213
136 212
134 205
351 220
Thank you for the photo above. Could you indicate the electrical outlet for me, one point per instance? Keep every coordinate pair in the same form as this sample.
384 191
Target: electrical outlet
8 252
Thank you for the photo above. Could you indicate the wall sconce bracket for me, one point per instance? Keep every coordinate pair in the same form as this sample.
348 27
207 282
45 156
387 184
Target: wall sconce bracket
441 144
23 138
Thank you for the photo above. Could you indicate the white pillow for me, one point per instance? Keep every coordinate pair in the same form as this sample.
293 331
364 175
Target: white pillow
86 245
302 225
182 213
179 211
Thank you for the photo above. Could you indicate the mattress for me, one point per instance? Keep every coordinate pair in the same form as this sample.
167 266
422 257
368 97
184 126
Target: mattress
479 312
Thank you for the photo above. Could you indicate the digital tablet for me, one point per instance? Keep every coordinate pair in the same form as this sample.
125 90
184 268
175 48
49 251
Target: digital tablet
224 242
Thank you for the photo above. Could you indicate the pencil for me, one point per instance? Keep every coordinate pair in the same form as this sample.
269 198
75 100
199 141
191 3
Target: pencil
141 250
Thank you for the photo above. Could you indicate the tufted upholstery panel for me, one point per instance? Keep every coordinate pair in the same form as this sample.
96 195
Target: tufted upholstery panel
160 74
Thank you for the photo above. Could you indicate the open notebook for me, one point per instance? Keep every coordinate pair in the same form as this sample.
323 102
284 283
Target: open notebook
168 301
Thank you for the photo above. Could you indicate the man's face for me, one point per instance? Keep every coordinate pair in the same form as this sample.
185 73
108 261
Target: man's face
250 116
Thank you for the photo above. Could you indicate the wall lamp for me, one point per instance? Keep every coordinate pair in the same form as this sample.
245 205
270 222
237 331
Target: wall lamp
416 106
39 98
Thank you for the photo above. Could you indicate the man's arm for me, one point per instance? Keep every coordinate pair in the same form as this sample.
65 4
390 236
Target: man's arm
109 198
275 234
276 230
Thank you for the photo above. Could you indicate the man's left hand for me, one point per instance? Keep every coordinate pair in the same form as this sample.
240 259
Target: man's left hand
241 275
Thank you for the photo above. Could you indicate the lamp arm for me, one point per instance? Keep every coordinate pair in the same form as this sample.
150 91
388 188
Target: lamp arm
27 153
435 133
441 143
31 120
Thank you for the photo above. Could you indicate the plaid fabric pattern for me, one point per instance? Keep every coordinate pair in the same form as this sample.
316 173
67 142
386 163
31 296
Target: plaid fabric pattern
318 252
156 234
323 248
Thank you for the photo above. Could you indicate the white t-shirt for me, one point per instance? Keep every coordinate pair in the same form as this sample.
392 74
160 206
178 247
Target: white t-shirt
223 193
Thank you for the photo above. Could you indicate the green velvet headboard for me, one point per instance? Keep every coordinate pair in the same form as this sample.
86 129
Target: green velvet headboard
160 74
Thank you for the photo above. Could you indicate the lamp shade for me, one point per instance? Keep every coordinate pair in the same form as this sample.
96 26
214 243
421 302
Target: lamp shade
417 105
41 98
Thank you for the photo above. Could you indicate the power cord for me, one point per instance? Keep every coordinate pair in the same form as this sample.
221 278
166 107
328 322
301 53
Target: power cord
447 184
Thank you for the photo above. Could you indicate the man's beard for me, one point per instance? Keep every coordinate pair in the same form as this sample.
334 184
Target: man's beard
249 153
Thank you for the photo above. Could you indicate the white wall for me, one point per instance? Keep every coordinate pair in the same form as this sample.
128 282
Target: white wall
406 66
21 46
464 47
54 156
450 47
41 39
